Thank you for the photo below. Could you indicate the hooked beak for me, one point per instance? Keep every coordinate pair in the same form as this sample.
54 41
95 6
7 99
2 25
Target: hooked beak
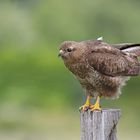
60 53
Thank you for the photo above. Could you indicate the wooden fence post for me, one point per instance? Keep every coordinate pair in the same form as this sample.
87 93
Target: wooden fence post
99 125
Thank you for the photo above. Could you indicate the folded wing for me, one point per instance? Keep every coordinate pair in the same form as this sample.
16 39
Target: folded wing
113 62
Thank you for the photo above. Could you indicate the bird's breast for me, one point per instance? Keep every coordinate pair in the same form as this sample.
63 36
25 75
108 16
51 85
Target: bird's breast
78 69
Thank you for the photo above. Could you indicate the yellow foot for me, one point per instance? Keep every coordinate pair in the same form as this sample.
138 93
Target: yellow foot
84 107
95 107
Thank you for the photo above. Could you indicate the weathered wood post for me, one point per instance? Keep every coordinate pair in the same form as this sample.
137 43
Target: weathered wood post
99 125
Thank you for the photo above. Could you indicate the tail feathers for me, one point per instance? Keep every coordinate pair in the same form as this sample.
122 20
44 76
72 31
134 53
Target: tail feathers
129 47
135 50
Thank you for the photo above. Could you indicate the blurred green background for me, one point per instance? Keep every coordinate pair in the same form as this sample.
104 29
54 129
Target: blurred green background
39 98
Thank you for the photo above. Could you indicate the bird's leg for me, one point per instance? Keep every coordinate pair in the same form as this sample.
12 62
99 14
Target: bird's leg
96 106
86 106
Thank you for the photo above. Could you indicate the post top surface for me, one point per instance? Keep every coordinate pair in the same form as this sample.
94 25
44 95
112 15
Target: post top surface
105 110
111 109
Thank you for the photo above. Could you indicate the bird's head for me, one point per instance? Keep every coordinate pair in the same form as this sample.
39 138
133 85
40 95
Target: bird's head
71 50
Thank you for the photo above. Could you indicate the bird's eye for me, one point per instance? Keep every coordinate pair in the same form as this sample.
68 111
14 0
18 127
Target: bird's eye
69 49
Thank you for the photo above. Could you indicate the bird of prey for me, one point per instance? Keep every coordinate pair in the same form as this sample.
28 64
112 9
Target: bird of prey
102 69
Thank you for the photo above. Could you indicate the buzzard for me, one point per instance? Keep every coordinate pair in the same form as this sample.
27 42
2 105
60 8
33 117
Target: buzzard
102 69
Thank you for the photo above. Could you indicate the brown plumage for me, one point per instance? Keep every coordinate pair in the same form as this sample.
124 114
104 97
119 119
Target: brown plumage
101 69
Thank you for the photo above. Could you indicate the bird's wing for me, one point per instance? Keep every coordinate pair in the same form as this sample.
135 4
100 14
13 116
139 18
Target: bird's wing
129 47
113 62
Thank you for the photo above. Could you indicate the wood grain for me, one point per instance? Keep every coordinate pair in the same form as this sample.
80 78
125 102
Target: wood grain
99 125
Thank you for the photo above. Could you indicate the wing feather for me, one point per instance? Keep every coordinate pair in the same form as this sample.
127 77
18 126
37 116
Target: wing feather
129 47
113 62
